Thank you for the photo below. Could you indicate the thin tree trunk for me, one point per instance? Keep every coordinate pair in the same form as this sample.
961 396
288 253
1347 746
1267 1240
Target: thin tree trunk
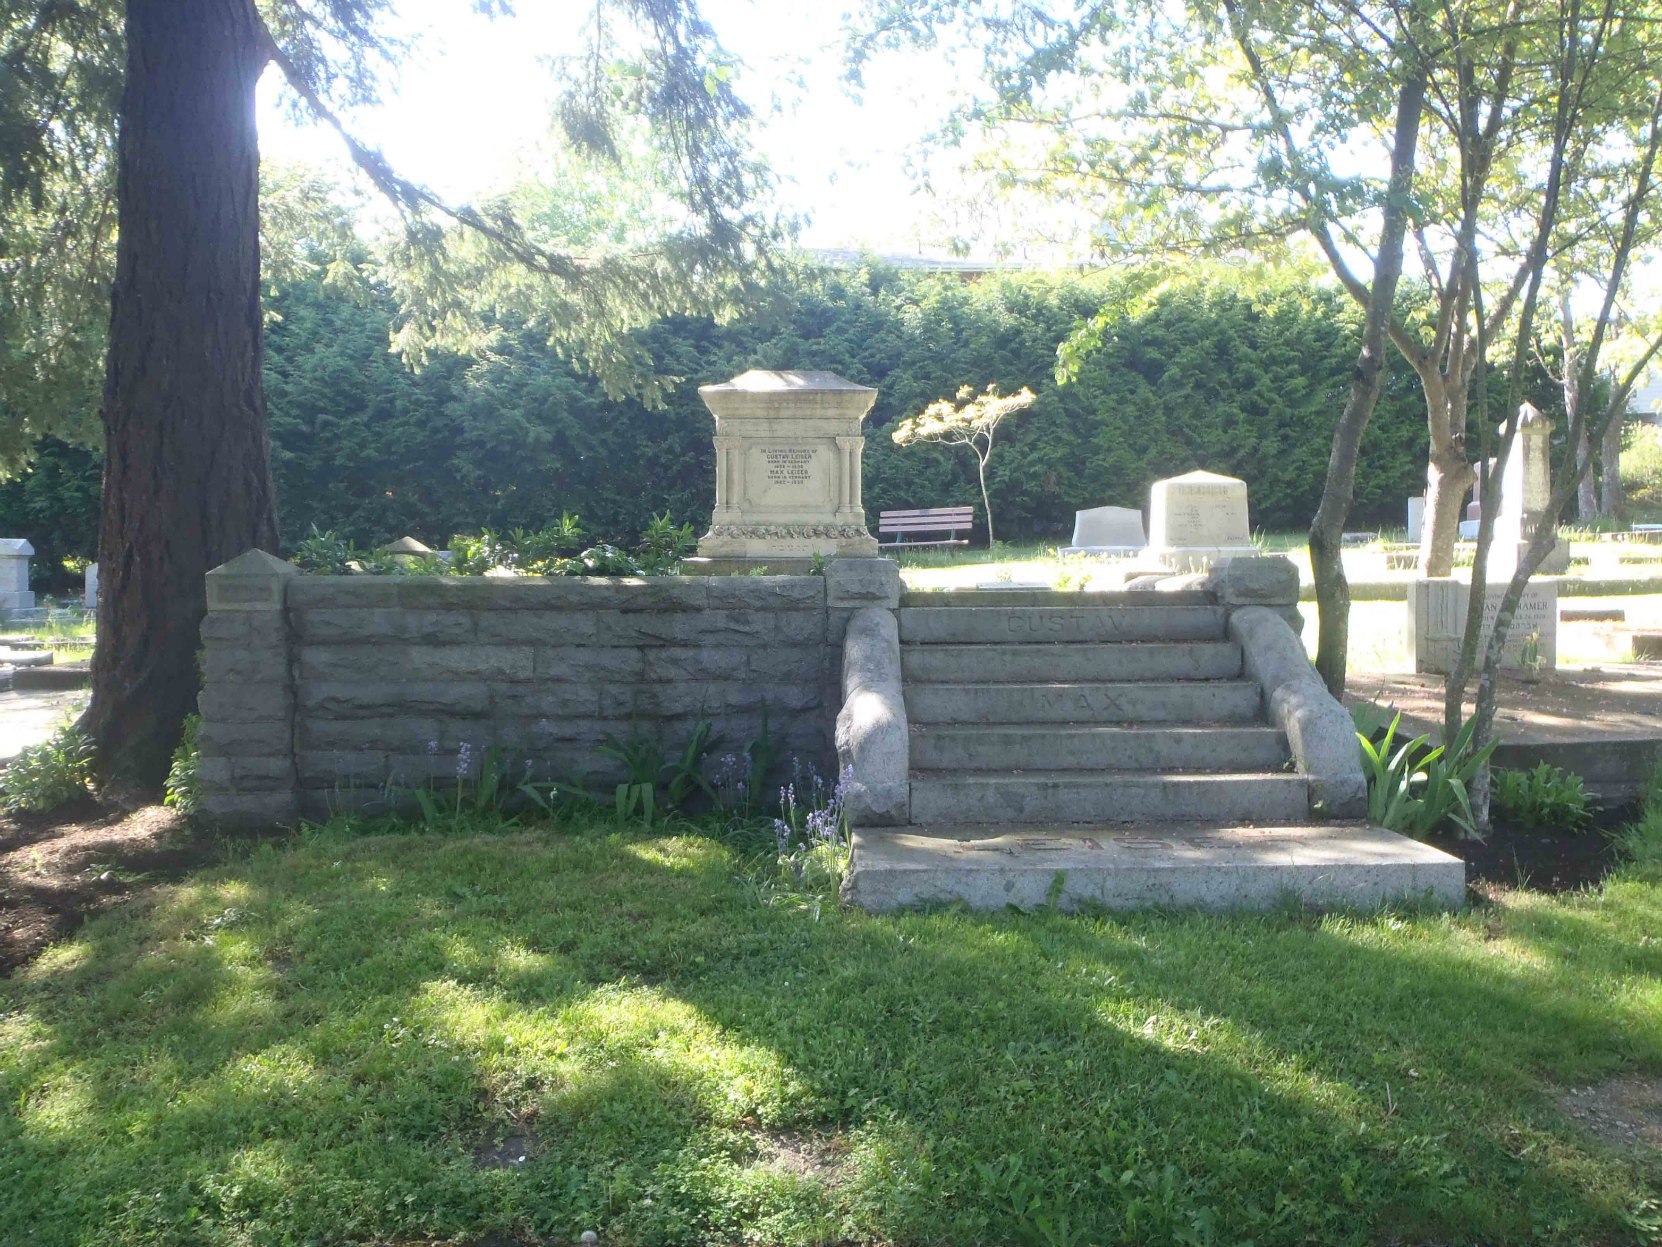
1327 529
1586 492
1611 502
986 502
187 481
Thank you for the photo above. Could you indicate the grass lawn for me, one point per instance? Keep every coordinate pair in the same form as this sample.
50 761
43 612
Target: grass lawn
358 1038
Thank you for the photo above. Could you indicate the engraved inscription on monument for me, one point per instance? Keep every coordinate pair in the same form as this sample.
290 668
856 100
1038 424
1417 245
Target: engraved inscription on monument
790 477
787 465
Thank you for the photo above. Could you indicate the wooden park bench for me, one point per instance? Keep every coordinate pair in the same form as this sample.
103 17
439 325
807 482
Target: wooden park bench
951 520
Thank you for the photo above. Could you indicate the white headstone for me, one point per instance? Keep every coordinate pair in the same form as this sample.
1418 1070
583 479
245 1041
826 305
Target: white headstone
15 553
1196 519
1107 530
788 447
1416 516
1437 622
91 597
1525 490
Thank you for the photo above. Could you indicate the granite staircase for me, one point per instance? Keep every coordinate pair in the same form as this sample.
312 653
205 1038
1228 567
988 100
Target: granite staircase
1113 712
1107 749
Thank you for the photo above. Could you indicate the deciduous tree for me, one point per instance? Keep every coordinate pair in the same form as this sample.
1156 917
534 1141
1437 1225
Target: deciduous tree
187 482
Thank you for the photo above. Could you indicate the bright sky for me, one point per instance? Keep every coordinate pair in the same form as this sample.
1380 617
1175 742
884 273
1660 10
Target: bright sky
473 100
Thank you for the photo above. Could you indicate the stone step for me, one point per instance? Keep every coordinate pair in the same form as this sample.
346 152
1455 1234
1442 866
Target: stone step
1053 597
1133 701
1025 624
1124 797
1066 747
1209 865
1134 660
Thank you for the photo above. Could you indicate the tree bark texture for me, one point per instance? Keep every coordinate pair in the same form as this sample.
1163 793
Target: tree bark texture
187 478
1448 476
1611 502
1586 493
1339 488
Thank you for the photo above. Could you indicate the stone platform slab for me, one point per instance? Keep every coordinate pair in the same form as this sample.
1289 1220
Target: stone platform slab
1169 865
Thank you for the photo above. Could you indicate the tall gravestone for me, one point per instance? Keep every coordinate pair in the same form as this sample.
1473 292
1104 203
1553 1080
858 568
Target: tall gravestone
1416 517
1196 519
788 447
15 553
1525 491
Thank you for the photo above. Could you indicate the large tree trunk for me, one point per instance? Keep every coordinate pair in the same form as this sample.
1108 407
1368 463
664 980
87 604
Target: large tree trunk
1448 476
187 481
1611 502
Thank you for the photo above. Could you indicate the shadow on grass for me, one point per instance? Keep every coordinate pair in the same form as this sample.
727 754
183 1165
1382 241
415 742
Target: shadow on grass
318 1045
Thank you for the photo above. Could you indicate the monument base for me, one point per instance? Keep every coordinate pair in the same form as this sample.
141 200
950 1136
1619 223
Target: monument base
17 601
779 565
1437 623
737 547
1180 560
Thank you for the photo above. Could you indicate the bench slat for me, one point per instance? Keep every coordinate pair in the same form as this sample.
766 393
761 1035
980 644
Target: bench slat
927 526
929 511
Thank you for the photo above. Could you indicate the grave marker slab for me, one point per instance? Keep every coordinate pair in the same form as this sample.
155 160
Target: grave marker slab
1437 622
1196 519
1107 530
15 553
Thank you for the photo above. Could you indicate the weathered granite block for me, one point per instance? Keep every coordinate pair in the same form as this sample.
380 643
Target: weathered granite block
394 660
855 582
352 699
337 626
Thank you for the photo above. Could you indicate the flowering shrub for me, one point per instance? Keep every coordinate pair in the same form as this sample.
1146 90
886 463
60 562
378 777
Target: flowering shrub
811 832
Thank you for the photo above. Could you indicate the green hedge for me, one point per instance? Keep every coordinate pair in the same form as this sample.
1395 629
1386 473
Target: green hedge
1243 381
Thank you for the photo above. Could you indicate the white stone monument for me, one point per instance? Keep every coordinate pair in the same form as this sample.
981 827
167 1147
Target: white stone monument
1196 519
15 553
1416 517
1525 490
788 447
1107 530
1437 622
90 596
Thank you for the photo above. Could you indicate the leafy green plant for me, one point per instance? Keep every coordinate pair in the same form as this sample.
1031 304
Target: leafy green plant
491 795
42 777
1419 788
183 788
684 778
642 759
1547 798
1641 841
664 544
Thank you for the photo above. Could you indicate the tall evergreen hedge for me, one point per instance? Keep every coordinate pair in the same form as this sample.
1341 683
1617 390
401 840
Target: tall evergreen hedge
1212 375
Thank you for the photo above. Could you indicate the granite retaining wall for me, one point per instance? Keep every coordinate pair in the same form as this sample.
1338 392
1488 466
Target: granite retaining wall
322 693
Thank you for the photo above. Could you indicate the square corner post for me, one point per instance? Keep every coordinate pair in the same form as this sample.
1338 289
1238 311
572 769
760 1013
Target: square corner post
247 765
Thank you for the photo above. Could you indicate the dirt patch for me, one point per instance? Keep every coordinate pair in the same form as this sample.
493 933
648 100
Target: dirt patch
507 1153
58 870
1541 861
1615 701
1624 1112
803 1154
